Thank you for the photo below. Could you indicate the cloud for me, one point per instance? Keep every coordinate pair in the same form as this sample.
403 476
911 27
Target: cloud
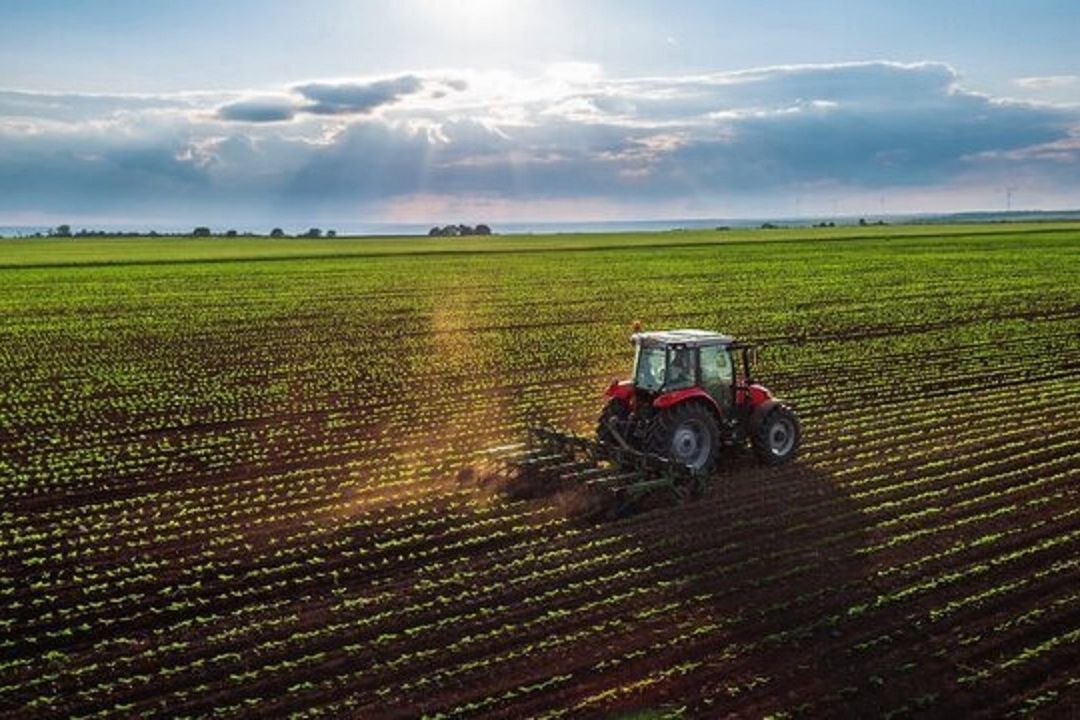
259 110
334 98
77 108
1047 82
569 137
458 84
356 98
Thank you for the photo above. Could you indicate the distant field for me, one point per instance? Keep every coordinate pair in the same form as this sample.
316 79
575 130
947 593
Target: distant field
237 487
77 251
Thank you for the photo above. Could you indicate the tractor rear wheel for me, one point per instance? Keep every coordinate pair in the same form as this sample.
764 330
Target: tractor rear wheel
687 434
776 435
614 413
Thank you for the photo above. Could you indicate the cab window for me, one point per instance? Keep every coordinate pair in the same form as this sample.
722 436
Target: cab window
717 372
681 371
649 368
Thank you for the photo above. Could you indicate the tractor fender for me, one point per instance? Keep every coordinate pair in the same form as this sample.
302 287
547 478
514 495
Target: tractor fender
678 396
760 412
752 396
623 391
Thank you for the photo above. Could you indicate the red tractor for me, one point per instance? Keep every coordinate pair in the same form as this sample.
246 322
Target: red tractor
691 394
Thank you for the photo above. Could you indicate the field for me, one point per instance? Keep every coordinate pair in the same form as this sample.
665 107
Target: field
239 478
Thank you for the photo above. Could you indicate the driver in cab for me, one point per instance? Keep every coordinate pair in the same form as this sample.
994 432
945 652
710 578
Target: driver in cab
681 372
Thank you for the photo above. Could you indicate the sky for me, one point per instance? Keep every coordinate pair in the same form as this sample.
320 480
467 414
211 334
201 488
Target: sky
255 113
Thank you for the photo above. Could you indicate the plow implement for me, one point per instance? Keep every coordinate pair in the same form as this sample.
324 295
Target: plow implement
608 478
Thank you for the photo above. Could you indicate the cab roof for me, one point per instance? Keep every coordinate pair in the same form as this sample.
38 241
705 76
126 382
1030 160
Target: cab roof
686 338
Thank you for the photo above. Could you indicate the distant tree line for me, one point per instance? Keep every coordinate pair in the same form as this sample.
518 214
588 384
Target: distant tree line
275 233
202 231
66 231
459 230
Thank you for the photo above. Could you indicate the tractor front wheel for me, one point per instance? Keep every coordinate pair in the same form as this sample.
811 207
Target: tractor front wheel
687 434
775 435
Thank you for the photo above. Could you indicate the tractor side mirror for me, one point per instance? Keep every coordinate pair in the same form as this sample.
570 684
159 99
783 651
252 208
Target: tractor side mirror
754 356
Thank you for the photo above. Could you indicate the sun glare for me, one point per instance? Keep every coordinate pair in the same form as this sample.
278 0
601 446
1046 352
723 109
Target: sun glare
472 16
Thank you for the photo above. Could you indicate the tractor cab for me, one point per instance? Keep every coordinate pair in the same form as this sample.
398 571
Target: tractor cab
682 359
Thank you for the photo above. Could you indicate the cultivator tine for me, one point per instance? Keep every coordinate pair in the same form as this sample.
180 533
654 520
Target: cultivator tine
502 450
570 468
539 460
613 481
586 475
